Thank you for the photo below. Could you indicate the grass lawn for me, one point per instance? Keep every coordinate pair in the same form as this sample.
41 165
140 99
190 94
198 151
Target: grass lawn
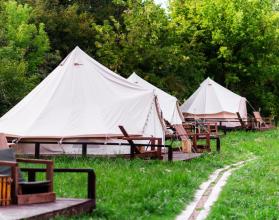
253 191
159 190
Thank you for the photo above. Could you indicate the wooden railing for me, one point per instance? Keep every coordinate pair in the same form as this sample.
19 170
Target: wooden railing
37 145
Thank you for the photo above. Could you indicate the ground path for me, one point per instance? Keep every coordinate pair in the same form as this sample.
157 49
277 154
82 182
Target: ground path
208 193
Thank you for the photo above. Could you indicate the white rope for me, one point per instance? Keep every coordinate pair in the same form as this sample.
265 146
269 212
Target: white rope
60 142
148 116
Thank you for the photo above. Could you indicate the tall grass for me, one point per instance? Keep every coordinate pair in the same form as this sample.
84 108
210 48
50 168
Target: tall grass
141 189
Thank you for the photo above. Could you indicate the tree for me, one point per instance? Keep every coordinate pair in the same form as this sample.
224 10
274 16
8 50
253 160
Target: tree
69 23
23 46
142 41
239 40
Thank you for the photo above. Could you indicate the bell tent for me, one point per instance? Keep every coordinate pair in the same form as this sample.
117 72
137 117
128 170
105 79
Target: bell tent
83 99
168 103
213 101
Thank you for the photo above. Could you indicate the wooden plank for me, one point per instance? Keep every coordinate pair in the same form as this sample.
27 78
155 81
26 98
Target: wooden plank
62 207
35 161
36 198
49 176
180 156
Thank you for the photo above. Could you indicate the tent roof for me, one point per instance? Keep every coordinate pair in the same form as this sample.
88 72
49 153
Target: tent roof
81 97
167 102
212 98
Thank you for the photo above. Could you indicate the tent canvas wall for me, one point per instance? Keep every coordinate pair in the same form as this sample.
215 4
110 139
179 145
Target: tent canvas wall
82 98
168 103
212 100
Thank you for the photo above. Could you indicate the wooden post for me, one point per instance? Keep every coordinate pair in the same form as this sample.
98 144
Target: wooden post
159 149
218 145
208 141
194 139
14 174
132 151
31 176
49 175
37 150
170 154
152 144
84 150
91 186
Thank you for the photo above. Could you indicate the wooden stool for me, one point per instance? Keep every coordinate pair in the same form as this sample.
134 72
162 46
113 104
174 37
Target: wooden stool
5 190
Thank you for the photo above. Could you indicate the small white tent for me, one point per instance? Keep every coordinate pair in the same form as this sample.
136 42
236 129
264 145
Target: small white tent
168 103
82 98
212 100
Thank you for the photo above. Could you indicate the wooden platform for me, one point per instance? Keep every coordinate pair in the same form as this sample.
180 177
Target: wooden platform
65 207
180 156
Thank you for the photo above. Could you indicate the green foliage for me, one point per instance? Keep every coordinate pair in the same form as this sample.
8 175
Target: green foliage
234 42
239 40
143 41
22 49
65 24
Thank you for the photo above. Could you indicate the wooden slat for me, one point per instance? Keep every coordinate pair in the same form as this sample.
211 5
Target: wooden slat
5 190
36 198
62 207
35 161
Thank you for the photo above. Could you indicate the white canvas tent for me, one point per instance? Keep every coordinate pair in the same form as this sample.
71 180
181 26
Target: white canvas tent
212 100
168 103
82 98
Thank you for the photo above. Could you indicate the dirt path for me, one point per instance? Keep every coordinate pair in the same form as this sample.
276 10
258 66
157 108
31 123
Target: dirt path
208 193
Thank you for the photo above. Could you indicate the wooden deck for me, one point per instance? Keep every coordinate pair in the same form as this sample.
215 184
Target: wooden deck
65 207
180 156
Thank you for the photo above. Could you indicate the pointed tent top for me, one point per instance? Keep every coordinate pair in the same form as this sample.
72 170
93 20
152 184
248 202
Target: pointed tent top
207 81
77 57
167 102
211 98
81 97
135 78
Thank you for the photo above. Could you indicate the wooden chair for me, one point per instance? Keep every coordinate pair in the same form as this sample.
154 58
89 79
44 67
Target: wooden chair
24 192
248 125
4 142
262 124
212 127
141 151
188 131
187 145
242 123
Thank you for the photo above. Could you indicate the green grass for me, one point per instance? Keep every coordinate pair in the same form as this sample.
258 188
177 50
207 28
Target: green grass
159 190
253 191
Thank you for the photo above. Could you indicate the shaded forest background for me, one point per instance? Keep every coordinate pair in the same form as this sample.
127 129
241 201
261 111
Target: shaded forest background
234 42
